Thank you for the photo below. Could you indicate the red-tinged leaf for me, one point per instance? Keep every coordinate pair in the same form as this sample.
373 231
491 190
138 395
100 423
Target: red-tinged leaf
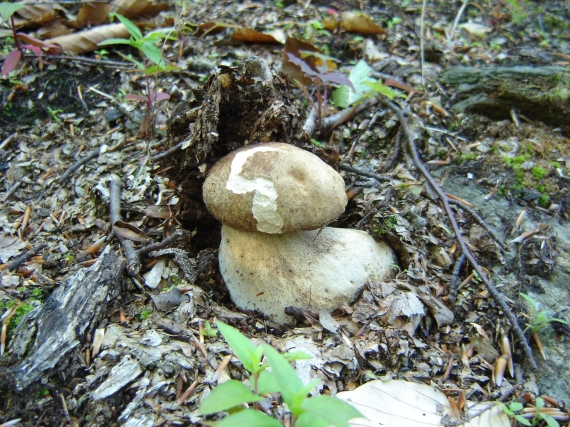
336 77
11 61
36 42
303 66
159 96
134 97
252 36
36 50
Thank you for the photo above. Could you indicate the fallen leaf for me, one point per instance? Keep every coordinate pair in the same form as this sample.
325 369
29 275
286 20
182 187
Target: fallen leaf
253 36
88 41
98 12
396 403
476 29
354 22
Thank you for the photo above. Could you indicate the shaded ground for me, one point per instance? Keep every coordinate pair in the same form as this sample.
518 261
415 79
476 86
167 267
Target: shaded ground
497 165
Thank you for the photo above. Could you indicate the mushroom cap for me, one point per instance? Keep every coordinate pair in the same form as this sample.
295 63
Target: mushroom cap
274 188
304 269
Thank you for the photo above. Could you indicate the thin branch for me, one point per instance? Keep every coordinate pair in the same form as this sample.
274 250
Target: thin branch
490 286
169 152
95 153
160 245
481 222
351 169
14 188
20 259
455 278
133 260
104 62
394 155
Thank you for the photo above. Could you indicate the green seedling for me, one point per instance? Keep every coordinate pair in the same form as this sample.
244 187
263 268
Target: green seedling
538 320
512 412
208 331
150 54
275 375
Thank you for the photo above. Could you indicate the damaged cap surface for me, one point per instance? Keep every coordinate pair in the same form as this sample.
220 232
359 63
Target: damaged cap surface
274 188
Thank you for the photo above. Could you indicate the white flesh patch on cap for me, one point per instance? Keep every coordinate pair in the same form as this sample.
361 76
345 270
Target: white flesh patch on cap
264 207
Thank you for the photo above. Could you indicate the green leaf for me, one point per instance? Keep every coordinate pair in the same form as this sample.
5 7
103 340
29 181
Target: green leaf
116 41
226 396
289 383
129 25
245 351
8 9
266 383
384 90
332 409
296 355
308 419
159 69
152 52
539 403
550 421
505 409
249 418
516 406
522 420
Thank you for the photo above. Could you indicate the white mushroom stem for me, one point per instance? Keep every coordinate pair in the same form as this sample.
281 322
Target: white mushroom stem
304 269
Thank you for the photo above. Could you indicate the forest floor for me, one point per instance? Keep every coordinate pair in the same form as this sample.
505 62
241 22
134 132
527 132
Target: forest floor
498 143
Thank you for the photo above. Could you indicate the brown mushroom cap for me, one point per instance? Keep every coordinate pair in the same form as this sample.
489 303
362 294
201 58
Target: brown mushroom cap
274 188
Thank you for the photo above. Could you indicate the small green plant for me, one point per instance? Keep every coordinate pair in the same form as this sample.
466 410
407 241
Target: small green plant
538 319
229 396
144 314
146 45
54 114
208 331
512 410
544 200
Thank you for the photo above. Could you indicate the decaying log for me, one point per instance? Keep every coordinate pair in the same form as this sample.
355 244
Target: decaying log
539 93
48 334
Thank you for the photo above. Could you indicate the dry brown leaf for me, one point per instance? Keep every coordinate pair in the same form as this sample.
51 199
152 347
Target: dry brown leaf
302 51
360 23
129 231
37 13
98 13
87 41
252 36
353 22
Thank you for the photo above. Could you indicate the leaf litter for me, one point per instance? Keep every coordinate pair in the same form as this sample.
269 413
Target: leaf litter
153 351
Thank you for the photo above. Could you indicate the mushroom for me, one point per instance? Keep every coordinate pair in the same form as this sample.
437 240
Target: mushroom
273 201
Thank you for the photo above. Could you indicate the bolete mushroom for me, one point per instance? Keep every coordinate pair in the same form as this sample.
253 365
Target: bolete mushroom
272 199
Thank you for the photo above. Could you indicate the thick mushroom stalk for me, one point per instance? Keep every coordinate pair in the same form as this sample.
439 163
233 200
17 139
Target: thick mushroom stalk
272 198
304 269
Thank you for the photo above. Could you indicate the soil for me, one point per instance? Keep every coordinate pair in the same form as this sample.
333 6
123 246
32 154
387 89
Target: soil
151 350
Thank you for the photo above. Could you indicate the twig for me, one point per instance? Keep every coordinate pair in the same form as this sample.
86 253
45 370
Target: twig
332 122
453 289
117 104
490 286
422 47
14 188
169 152
133 261
351 169
186 394
160 245
395 154
20 259
5 143
180 258
104 62
95 153
506 395
480 221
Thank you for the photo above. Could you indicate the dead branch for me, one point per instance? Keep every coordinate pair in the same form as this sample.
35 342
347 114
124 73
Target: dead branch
394 155
160 245
490 286
481 222
351 169
95 153
20 259
455 278
14 188
133 260
169 152
180 258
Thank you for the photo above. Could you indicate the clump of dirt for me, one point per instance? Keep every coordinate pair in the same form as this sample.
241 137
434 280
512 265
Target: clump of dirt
44 94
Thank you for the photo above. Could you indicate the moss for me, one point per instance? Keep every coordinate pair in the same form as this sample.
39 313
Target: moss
461 158
538 172
544 200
